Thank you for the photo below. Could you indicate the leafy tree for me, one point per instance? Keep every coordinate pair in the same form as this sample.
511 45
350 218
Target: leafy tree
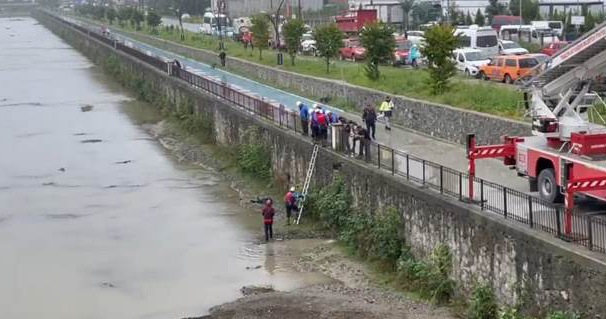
406 6
479 19
260 33
275 21
153 20
424 11
110 15
440 41
589 22
378 40
293 31
136 18
494 8
329 39
98 12
124 15
530 9
177 9
468 19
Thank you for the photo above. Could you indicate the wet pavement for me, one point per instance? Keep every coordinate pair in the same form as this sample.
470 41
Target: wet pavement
97 220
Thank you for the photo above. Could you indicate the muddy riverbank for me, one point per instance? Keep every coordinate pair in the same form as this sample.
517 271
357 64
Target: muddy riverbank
352 291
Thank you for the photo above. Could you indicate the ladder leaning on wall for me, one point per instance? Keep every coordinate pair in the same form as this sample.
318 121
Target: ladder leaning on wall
310 172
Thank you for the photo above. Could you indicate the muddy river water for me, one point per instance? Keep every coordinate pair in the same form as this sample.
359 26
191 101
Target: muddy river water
97 220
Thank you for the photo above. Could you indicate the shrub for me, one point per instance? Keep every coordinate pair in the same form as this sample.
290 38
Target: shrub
482 304
430 278
254 157
384 242
334 204
356 232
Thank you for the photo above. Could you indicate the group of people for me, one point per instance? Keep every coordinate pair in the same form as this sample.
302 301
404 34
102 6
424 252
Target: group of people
291 200
320 121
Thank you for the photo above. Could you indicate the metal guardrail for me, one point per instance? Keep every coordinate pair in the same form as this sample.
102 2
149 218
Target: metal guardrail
588 230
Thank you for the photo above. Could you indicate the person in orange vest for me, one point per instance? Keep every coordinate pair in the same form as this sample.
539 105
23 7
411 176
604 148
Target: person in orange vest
290 201
268 213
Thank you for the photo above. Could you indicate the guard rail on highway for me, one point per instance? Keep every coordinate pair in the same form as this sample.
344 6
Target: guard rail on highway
588 230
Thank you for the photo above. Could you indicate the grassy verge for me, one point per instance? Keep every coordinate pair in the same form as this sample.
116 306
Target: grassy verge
486 97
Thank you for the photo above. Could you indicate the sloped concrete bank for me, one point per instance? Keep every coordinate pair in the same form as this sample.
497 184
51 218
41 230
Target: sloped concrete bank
525 268
438 120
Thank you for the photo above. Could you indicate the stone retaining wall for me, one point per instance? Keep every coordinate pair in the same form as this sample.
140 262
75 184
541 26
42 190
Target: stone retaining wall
525 267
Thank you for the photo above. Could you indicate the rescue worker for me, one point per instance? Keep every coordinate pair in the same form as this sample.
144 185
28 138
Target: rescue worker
304 115
290 201
268 213
369 116
386 109
322 127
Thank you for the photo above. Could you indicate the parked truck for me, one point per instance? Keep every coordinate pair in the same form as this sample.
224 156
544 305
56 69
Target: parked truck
353 21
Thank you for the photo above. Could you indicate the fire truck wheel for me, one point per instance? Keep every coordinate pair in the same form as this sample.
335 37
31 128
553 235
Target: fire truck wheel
548 189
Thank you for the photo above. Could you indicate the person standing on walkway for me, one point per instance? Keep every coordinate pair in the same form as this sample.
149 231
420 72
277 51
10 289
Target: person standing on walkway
314 124
268 213
290 201
222 57
386 109
364 139
370 118
304 116
322 127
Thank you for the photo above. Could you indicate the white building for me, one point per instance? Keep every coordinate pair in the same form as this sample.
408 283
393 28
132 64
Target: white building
240 8
389 10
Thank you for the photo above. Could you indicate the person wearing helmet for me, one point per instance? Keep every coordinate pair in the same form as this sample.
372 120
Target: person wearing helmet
290 201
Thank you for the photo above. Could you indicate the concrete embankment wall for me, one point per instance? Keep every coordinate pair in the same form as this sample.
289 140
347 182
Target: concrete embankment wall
525 267
433 119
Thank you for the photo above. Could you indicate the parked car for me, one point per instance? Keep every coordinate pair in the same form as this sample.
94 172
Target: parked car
508 68
469 61
400 53
540 57
352 50
551 48
507 47
308 44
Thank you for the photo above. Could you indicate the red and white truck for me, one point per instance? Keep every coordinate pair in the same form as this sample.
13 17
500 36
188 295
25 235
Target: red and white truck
567 153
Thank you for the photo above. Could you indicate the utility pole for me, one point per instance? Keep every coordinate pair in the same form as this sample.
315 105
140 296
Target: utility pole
299 9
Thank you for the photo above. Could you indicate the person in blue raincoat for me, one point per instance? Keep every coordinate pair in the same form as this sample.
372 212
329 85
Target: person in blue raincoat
304 115
413 56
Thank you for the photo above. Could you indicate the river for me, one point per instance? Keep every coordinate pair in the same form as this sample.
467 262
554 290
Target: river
97 220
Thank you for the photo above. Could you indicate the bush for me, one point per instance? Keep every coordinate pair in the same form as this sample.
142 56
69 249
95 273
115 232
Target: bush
333 204
384 242
254 157
482 304
430 278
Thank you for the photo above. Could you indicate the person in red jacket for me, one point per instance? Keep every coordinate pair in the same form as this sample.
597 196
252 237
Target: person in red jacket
290 201
268 219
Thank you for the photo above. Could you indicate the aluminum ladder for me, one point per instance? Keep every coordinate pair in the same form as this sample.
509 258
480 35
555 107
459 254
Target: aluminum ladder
310 172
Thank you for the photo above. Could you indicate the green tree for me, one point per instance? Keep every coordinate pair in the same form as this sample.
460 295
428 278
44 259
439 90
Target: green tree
468 19
406 6
329 39
440 41
153 20
494 8
424 11
479 18
136 18
99 13
124 15
378 40
110 15
260 33
589 22
293 31
530 9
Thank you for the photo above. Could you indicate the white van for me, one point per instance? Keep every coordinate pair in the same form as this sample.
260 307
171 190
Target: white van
480 38
211 22
469 61
557 26
528 33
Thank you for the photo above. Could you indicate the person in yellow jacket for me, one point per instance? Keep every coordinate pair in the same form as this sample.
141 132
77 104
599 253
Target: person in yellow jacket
386 110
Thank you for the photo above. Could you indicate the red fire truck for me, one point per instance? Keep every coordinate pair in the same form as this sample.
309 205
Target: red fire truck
354 20
567 153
